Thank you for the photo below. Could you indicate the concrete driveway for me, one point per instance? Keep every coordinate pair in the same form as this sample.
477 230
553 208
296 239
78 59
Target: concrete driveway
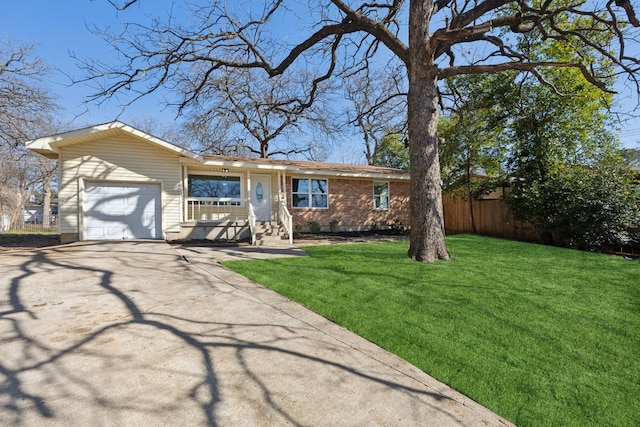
143 333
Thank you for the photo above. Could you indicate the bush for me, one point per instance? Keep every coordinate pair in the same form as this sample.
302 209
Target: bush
590 207
397 225
334 226
315 227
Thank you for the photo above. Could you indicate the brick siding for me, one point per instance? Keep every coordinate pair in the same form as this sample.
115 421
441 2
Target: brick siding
351 204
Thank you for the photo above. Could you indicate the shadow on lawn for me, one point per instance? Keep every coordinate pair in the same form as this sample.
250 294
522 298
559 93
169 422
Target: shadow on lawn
56 365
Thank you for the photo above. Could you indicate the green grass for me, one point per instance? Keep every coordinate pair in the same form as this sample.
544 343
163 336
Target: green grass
540 335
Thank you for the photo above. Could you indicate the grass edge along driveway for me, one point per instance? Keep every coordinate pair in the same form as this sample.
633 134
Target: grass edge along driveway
540 335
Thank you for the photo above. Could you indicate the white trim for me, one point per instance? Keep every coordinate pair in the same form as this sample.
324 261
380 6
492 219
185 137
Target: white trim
184 179
373 191
268 195
82 200
80 210
299 170
310 194
248 189
220 174
337 174
163 224
50 145
279 186
284 188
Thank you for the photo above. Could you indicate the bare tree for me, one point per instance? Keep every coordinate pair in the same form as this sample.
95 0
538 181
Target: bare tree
25 112
158 128
21 173
22 98
378 104
433 39
242 111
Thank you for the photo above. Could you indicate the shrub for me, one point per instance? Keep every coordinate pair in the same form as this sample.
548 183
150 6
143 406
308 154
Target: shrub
587 207
334 226
315 227
397 225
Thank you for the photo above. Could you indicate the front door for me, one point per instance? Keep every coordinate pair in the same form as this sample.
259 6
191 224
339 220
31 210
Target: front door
261 196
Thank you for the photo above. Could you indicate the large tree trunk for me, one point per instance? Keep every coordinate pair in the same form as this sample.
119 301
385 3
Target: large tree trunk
427 243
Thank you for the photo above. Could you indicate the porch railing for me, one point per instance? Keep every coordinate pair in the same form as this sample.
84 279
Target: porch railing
201 209
286 219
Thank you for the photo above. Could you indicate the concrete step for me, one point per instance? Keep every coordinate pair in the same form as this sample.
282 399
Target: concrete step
273 241
270 234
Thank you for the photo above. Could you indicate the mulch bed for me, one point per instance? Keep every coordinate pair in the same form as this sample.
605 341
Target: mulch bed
27 241
301 239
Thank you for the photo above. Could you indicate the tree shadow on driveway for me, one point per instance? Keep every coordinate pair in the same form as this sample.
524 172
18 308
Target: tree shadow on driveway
130 333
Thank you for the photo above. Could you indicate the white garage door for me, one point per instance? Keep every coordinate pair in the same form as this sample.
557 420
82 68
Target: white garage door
122 211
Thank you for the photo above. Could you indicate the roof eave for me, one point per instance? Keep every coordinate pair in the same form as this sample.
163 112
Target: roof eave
301 171
362 175
47 153
50 145
243 164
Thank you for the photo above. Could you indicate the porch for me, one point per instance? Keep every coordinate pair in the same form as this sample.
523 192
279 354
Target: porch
234 221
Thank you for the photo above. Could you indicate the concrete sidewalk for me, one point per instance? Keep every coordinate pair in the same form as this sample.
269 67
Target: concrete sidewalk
143 333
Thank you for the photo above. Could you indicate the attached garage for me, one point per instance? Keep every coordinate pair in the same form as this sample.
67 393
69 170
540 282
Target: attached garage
122 210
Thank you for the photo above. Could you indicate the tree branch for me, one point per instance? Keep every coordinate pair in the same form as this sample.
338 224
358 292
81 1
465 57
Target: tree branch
520 66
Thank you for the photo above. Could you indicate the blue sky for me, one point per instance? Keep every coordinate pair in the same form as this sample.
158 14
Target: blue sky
60 26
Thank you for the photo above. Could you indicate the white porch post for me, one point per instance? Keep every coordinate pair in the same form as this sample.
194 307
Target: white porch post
248 187
184 193
184 216
280 193
284 188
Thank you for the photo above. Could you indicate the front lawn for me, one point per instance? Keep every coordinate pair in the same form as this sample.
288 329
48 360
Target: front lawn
540 335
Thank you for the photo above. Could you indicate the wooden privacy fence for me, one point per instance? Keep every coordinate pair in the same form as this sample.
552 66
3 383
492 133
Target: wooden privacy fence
490 216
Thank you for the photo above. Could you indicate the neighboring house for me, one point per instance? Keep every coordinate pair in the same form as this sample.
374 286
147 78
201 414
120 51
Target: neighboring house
32 214
116 182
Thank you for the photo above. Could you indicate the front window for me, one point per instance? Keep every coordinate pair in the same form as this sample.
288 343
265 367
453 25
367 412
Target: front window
309 193
225 189
381 195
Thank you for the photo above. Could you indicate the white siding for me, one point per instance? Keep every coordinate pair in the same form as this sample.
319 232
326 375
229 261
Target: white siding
126 159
